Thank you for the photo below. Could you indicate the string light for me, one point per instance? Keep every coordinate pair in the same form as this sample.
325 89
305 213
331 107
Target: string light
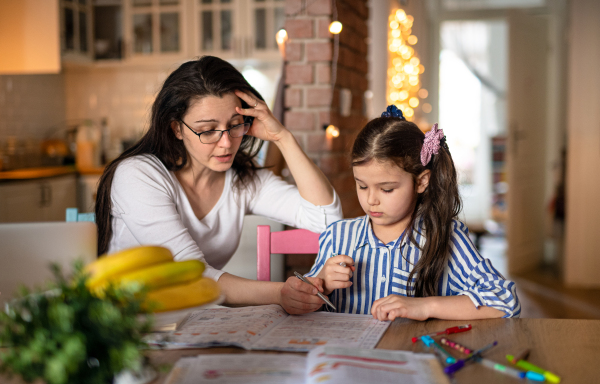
404 67
332 131
281 36
335 27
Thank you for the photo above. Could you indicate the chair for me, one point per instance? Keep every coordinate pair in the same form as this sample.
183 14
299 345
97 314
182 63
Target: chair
294 241
73 215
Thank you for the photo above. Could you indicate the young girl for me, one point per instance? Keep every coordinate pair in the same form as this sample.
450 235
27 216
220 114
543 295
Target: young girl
409 256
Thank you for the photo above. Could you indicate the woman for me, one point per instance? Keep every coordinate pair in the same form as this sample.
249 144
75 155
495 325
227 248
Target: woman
188 183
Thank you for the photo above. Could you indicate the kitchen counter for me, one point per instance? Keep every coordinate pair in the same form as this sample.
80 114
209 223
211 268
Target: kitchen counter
37 173
41 172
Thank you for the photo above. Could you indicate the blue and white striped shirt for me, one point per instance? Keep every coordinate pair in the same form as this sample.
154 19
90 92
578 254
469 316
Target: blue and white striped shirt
383 269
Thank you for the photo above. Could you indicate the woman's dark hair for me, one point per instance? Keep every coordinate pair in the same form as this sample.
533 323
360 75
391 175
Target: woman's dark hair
394 139
207 76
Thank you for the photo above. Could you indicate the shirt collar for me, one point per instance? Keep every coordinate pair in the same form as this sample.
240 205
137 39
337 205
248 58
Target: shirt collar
367 236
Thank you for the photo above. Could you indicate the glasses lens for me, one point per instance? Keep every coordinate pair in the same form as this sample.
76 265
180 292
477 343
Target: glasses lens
239 130
210 137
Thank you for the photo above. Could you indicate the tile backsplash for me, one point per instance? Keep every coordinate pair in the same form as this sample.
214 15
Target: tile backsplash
31 106
123 95
38 107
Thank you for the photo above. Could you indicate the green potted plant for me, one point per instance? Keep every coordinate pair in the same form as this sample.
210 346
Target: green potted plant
68 335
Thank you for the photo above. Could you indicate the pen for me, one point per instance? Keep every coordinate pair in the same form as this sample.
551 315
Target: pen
461 363
485 362
322 296
430 342
334 254
447 331
455 345
502 368
551 377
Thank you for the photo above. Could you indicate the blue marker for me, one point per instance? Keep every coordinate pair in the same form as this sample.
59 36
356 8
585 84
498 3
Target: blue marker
430 342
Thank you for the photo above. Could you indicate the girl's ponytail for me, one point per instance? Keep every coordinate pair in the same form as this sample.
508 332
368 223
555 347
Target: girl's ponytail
437 206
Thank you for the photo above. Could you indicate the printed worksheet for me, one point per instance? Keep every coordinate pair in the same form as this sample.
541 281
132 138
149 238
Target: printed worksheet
269 327
239 369
308 331
340 365
332 365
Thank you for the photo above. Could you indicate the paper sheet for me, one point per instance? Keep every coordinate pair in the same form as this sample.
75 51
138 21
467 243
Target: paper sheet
308 331
239 369
332 365
239 327
269 327
338 365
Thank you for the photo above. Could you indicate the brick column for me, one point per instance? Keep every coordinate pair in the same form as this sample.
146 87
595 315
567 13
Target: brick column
313 84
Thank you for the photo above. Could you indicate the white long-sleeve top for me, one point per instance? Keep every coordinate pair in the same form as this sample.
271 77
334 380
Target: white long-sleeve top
150 207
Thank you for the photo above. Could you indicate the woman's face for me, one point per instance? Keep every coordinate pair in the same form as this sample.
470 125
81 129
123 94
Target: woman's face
206 114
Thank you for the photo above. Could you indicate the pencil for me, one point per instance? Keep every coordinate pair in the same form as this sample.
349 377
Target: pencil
322 296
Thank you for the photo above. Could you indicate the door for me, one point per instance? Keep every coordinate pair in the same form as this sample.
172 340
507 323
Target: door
527 72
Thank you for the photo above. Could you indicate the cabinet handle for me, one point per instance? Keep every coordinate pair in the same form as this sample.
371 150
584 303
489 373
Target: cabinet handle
43 195
46 195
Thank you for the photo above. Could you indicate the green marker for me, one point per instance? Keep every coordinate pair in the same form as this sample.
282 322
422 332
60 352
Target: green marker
526 365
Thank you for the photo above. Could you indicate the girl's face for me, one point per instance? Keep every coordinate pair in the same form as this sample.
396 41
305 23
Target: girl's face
388 194
206 114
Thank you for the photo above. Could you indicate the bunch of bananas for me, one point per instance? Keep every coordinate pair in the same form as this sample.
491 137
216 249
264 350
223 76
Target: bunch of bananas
171 285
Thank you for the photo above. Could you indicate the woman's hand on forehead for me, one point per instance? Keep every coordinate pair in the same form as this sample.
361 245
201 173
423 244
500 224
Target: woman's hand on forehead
265 125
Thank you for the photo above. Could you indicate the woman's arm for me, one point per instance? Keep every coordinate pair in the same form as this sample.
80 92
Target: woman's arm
294 296
312 183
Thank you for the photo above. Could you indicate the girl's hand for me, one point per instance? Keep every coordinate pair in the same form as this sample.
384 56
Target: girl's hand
265 125
393 306
334 275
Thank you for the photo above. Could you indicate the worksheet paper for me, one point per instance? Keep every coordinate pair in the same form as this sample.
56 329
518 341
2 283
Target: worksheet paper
334 365
269 327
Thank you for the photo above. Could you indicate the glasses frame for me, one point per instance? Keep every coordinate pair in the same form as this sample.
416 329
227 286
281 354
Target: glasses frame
248 124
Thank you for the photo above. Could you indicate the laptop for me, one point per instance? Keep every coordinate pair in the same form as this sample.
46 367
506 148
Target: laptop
28 249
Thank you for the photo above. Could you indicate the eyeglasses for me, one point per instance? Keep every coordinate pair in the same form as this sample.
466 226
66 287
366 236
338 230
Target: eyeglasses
210 137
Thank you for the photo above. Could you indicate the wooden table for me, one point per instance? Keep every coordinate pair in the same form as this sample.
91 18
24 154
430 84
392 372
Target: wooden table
568 348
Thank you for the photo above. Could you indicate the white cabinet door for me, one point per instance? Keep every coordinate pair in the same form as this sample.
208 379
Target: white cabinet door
155 29
58 194
20 202
37 200
76 19
238 29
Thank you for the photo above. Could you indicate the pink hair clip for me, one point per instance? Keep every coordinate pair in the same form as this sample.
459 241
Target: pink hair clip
431 145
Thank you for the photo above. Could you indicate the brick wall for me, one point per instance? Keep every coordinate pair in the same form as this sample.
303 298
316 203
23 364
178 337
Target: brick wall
313 84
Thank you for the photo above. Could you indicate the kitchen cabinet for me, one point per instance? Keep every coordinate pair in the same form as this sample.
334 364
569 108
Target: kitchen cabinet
29 37
43 199
239 29
155 29
164 31
76 18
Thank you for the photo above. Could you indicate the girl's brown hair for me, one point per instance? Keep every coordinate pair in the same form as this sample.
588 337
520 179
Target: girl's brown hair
207 76
399 141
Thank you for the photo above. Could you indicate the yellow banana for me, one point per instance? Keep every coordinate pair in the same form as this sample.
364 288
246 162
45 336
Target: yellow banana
181 296
116 264
164 274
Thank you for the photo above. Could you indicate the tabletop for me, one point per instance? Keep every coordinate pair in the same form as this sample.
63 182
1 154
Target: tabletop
568 348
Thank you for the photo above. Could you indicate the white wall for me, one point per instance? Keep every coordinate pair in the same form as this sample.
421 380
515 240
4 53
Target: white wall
582 248
243 262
